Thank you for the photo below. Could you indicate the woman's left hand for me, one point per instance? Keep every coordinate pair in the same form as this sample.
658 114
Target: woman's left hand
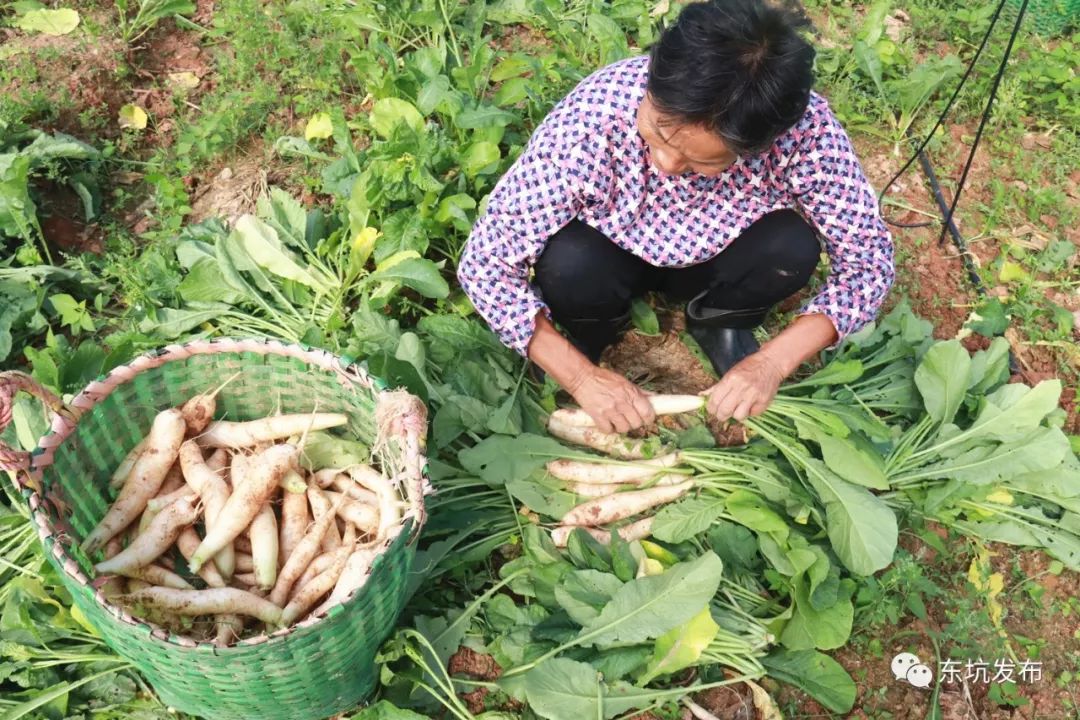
746 389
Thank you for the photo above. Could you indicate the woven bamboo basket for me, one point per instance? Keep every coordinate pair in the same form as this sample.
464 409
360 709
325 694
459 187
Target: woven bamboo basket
323 665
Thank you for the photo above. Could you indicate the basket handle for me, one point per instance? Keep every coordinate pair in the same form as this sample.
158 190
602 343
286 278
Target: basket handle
11 382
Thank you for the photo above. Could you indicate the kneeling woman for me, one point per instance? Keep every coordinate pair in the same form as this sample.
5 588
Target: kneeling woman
706 171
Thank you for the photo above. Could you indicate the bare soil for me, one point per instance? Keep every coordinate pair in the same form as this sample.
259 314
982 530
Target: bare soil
63 222
77 71
880 695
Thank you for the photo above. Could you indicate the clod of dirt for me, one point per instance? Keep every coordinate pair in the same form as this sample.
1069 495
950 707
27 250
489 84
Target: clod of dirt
732 702
231 193
204 11
895 24
469 662
662 362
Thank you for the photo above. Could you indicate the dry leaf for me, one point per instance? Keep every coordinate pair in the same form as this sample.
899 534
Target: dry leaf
132 117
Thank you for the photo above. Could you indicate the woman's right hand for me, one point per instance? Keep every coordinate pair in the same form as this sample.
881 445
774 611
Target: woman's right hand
612 401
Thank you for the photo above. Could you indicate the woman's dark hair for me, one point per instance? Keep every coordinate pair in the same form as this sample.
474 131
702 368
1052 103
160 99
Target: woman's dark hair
738 67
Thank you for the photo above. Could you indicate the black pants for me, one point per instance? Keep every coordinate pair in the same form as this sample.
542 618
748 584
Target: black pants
588 281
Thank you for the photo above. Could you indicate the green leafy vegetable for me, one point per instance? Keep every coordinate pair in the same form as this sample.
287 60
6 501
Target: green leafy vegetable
651 606
819 675
681 647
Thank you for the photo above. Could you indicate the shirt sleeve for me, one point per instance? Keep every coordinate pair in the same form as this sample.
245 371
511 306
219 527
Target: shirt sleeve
559 173
831 190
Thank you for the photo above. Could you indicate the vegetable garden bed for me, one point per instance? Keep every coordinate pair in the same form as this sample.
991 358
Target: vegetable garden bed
883 506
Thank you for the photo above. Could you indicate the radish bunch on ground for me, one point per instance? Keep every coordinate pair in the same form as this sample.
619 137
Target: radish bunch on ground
223 530
626 483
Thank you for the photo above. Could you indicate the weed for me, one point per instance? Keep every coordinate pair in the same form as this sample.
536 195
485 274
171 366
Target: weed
138 17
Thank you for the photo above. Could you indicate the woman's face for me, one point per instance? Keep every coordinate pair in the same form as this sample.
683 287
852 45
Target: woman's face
678 148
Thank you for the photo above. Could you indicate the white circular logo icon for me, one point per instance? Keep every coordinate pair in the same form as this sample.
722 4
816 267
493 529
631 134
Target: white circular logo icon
920 676
910 669
902 663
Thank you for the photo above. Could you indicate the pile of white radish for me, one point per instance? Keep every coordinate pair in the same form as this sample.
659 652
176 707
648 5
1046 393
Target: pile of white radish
617 489
266 542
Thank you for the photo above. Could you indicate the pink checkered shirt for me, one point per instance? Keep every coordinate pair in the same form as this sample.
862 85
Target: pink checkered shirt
586 160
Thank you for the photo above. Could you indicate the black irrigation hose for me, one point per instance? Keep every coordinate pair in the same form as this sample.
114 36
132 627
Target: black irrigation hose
949 209
948 107
950 226
986 115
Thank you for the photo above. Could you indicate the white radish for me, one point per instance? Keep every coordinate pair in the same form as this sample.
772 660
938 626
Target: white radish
599 490
263 475
198 412
348 537
321 505
188 542
301 557
229 628
662 405
295 517
625 504
115 585
215 601
200 409
594 490
611 472
634 531
345 484
244 563
263 533
123 470
245 434
613 444
389 499
145 519
157 575
242 544
135 585
325 478
157 539
364 517
293 482
161 502
676 404
218 460
246 579
317 566
174 480
573 417
319 586
353 577
144 481
323 562
166 495
215 494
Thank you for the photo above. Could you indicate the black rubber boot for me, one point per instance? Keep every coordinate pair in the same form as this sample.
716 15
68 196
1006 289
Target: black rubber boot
725 336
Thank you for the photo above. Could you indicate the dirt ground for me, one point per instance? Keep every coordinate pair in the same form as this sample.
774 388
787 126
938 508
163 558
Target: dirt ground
881 696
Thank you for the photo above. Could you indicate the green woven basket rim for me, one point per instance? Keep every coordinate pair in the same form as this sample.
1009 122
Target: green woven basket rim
412 435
